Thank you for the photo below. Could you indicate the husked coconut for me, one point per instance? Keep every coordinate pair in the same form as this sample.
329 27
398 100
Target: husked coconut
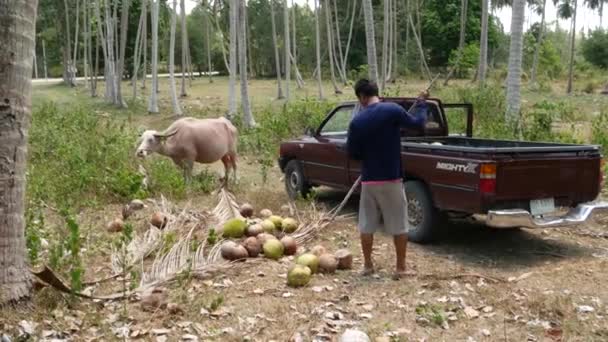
117 225
285 209
268 226
289 225
254 230
158 220
273 249
298 275
289 245
253 246
265 213
240 253
328 263
233 251
265 237
318 250
234 228
246 210
310 260
345 259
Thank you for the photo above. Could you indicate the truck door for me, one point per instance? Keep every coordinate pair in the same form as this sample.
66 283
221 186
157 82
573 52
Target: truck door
327 162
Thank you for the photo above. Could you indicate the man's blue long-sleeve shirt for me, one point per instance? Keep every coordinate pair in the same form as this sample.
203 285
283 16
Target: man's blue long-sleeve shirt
374 138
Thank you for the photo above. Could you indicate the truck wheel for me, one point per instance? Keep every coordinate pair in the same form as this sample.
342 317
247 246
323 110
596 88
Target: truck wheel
423 217
295 183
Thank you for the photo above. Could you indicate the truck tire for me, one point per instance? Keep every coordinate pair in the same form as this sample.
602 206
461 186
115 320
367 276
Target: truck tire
295 183
422 215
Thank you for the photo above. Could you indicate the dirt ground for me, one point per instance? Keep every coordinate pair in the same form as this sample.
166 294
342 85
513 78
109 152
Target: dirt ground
474 284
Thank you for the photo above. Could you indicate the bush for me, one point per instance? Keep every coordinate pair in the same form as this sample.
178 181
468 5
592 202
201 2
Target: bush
595 48
468 62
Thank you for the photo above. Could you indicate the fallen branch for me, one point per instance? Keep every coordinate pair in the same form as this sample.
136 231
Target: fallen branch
462 275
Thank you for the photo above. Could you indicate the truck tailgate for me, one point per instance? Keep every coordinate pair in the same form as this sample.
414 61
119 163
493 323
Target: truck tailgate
567 179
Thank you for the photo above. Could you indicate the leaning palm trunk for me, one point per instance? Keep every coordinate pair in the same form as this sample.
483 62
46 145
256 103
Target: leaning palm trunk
425 67
124 24
233 43
330 47
572 47
287 48
247 115
208 42
144 46
276 52
318 50
539 43
385 40
515 57
177 110
76 34
153 104
109 62
370 38
138 47
461 41
182 6
350 36
483 44
340 64
17 33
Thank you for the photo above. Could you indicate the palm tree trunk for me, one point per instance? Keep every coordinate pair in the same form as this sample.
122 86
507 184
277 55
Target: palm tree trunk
233 43
208 41
461 41
76 33
247 115
515 57
109 62
406 53
276 51
153 104
287 48
294 45
177 110
370 38
182 6
136 55
539 43
17 36
330 46
46 74
124 25
385 39
219 30
318 50
338 40
483 44
87 32
425 67
96 72
350 36
572 47
144 46
68 69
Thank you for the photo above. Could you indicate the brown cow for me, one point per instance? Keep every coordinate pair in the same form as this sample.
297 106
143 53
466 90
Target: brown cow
190 140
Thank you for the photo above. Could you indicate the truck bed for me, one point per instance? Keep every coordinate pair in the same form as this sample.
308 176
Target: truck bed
465 144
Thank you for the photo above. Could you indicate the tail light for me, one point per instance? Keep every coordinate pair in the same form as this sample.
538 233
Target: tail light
487 179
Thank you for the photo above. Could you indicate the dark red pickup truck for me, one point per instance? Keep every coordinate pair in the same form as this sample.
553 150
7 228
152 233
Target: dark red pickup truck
504 183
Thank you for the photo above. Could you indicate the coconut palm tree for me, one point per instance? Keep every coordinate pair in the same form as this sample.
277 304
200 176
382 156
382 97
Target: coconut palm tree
318 50
247 115
483 43
177 110
138 47
124 22
540 9
286 39
385 40
515 58
153 104
566 9
182 6
330 46
18 32
276 51
233 43
208 40
370 38
464 4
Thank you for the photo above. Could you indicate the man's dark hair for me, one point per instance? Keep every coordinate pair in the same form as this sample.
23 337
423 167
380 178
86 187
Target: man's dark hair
366 87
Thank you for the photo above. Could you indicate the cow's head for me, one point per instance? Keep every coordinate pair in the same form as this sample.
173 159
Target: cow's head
150 142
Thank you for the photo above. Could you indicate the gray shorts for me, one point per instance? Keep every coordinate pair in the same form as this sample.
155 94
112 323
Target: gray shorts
383 208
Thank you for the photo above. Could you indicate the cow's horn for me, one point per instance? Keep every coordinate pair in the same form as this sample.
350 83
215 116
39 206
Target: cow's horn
166 135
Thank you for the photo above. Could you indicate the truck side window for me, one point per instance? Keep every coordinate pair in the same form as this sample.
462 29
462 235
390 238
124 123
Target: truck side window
339 122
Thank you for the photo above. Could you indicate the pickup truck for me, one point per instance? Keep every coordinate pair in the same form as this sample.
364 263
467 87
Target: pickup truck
506 184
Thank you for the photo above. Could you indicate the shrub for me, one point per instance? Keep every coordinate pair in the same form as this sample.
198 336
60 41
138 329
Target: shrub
468 62
595 48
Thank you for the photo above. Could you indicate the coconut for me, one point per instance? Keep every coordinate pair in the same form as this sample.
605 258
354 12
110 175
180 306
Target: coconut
232 251
285 209
268 226
265 213
277 220
254 230
265 237
116 226
253 246
273 249
290 245
289 225
310 260
298 275
318 250
234 228
158 220
246 210
345 259
328 263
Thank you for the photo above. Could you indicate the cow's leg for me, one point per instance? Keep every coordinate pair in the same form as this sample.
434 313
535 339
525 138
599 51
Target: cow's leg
233 164
186 166
226 162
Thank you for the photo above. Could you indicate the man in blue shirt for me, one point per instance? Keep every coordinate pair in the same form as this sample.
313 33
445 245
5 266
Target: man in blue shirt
374 138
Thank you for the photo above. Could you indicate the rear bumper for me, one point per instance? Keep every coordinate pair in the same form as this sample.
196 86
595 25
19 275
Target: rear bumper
522 218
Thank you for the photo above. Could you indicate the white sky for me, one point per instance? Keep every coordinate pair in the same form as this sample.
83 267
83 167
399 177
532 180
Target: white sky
586 19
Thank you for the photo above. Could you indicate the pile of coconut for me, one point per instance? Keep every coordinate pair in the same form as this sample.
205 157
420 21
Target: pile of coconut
317 260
